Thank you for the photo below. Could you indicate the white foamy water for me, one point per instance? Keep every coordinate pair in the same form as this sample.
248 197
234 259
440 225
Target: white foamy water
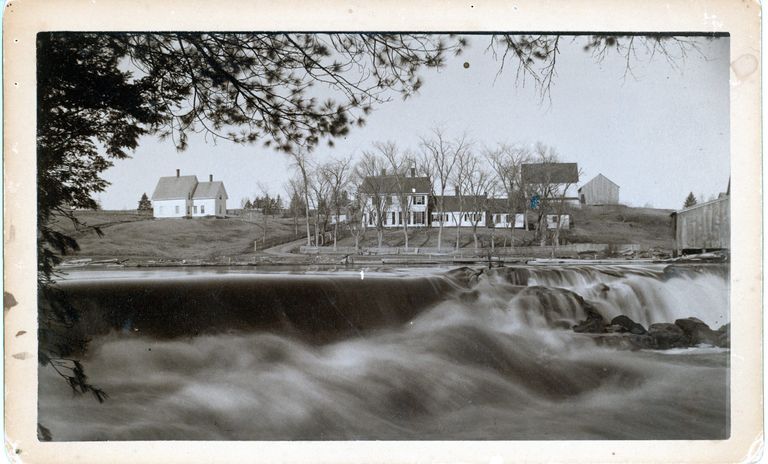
494 359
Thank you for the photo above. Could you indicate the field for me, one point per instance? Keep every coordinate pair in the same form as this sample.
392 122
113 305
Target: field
130 235
127 235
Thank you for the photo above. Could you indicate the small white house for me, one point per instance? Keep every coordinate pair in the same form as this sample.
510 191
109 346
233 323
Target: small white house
183 196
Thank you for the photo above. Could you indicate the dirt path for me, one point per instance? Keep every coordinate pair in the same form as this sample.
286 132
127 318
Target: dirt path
284 249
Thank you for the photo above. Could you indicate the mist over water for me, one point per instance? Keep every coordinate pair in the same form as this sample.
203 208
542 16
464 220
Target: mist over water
442 355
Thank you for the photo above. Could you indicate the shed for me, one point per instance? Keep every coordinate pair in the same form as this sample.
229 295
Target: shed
599 191
703 227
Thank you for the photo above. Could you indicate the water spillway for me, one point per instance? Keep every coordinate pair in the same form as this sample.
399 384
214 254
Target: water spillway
428 354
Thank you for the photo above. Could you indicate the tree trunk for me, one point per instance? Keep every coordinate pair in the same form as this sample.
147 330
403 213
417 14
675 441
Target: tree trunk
335 231
440 234
474 235
380 237
458 231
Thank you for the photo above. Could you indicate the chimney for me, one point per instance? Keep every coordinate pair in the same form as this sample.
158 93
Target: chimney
413 171
210 177
178 172
383 172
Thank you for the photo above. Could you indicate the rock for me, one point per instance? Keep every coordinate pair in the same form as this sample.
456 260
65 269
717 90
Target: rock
697 331
628 325
594 322
724 336
667 336
625 341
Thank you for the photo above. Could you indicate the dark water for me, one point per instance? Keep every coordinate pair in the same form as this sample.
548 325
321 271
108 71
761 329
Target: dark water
414 354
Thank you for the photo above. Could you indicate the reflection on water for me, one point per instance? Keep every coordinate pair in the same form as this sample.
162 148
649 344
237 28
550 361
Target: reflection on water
399 355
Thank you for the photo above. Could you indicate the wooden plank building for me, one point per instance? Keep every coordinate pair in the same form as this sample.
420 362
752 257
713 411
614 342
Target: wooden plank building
703 227
599 191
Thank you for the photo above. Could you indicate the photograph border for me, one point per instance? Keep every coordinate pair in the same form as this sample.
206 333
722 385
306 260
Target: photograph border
24 19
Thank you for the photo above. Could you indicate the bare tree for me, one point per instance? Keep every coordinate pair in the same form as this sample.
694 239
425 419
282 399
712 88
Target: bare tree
460 173
356 217
438 158
506 162
301 164
320 189
337 173
551 193
399 162
295 189
478 181
266 211
368 170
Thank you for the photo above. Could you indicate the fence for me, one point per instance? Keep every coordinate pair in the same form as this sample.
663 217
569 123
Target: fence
535 251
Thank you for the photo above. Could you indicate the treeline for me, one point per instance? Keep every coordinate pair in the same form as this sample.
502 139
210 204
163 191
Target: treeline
334 193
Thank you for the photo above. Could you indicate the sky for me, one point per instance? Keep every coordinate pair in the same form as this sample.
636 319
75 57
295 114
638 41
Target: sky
659 134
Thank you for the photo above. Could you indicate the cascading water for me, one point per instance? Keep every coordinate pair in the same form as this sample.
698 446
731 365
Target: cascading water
463 354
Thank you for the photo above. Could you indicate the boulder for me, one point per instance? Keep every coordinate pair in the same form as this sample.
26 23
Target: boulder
697 331
667 336
724 336
628 325
594 323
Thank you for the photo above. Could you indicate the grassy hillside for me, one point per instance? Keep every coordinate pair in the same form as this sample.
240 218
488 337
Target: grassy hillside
129 235
597 224
134 236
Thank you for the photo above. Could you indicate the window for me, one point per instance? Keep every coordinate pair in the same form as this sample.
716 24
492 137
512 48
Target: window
195 209
418 217
202 209
176 210
418 200
393 219
400 218
370 219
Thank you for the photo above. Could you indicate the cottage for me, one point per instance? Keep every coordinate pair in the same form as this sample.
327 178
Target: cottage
703 227
183 196
599 191
382 196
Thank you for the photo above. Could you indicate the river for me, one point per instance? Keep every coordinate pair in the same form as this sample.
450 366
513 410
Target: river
389 354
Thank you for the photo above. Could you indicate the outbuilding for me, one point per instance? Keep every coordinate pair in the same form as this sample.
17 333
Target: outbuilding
599 191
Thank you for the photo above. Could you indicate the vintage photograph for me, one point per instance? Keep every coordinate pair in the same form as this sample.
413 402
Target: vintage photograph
270 236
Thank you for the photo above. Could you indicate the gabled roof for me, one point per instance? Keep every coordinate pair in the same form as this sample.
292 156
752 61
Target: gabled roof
550 173
392 184
206 190
595 178
451 202
500 205
174 188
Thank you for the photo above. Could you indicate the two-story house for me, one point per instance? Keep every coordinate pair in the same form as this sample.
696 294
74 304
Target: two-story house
396 198
183 196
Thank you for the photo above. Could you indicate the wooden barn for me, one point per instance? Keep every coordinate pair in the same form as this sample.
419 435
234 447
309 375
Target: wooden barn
599 191
703 227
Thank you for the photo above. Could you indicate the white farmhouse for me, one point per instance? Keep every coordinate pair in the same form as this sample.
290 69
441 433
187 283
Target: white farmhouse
183 196
382 196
